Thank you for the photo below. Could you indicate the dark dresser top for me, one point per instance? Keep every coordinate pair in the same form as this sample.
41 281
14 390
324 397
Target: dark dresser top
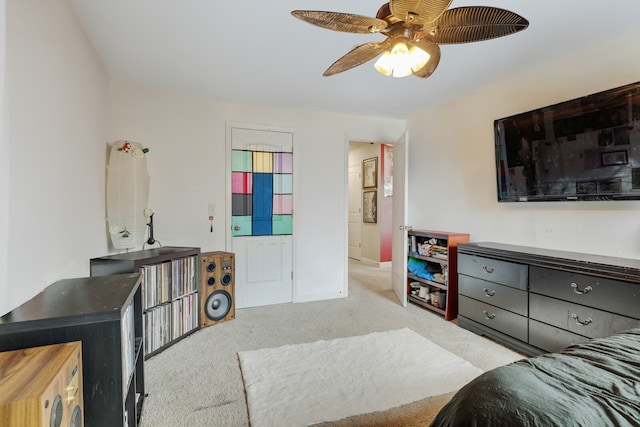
622 268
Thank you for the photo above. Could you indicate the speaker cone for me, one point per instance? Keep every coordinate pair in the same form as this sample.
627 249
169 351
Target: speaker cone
211 281
56 412
226 279
211 266
76 417
217 305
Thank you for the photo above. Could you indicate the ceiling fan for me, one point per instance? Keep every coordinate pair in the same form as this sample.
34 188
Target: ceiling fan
414 29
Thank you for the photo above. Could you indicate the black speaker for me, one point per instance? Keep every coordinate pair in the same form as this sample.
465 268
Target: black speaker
217 288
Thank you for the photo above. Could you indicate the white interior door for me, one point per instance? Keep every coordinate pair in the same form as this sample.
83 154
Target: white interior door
399 238
355 212
260 224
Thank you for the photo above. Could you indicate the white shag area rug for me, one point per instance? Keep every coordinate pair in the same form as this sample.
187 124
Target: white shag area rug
304 384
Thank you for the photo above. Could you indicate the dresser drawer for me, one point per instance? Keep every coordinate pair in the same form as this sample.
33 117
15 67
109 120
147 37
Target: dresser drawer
493 317
579 319
506 297
502 272
606 294
551 339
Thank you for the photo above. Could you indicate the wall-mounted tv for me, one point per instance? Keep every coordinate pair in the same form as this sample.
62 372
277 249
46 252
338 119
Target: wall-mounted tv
584 149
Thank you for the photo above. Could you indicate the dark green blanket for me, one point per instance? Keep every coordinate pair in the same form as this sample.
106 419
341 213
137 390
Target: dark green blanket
596 383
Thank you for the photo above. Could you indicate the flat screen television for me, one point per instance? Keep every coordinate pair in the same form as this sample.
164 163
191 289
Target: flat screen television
584 149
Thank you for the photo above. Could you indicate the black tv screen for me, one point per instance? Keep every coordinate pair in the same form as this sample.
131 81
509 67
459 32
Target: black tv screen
584 149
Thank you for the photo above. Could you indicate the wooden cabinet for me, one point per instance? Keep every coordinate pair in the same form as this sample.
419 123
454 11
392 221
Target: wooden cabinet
105 314
170 283
432 270
538 300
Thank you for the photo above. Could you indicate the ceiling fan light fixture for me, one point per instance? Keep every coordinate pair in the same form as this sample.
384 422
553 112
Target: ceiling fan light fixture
414 31
418 57
401 61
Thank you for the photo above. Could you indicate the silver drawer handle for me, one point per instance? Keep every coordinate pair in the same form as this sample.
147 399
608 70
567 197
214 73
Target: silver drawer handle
488 292
487 315
580 322
578 291
487 269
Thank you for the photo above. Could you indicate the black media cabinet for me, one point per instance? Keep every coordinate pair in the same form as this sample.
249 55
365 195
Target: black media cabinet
170 297
105 313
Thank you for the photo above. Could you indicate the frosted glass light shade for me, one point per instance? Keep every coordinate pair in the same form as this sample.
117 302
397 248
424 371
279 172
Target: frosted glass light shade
127 194
402 61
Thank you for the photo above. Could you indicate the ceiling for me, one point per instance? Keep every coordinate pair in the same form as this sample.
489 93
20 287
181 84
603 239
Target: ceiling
255 52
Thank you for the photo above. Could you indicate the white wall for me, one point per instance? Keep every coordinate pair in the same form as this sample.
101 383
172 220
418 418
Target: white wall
186 137
60 116
57 99
452 179
4 167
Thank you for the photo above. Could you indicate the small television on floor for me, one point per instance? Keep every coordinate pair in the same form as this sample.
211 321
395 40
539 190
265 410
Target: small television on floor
584 149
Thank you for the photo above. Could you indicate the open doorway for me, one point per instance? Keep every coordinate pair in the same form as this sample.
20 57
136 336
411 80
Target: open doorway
370 203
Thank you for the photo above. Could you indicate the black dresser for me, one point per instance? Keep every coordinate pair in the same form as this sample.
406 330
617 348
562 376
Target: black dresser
540 300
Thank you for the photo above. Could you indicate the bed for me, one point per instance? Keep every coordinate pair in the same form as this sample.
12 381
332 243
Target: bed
596 383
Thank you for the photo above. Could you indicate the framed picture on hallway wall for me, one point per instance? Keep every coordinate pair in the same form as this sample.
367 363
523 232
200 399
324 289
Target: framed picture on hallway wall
370 173
370 206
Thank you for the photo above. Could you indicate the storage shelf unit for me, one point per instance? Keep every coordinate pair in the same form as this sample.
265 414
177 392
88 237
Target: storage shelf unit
105 313
170 282
437 252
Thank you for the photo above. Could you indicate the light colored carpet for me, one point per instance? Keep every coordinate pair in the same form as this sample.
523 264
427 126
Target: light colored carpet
303 384
198 383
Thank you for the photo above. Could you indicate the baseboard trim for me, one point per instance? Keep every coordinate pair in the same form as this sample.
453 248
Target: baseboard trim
375 263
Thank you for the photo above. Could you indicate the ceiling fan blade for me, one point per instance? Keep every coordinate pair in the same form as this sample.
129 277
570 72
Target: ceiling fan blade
434 57
345 22
357 56
474 23
418 11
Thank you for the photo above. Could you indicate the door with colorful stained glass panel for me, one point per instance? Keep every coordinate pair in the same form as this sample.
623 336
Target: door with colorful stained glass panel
262 215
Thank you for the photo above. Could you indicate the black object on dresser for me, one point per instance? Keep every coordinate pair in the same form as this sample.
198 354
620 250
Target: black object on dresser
169 291
105 313
541 300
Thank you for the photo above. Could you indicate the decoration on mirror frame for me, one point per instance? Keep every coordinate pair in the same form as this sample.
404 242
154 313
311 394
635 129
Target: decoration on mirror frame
116 229
127 194
136 152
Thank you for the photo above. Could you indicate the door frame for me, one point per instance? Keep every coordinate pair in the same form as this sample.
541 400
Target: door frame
228 235
348 139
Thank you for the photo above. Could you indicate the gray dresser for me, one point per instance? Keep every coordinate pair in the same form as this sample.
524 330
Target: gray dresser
539 300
